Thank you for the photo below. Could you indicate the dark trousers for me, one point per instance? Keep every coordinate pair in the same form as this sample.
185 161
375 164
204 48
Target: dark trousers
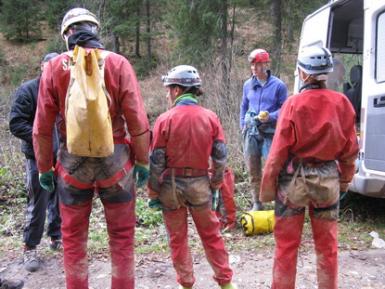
38 201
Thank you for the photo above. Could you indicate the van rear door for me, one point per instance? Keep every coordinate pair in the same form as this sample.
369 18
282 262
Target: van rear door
314 32
373 101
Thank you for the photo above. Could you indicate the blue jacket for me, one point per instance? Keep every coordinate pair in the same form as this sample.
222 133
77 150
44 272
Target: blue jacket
269 97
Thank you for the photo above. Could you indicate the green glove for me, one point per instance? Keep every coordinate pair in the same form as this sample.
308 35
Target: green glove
229 286
215 199
46 181
141 174
155 204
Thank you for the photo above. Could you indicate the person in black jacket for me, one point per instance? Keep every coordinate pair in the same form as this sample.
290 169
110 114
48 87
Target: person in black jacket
38 201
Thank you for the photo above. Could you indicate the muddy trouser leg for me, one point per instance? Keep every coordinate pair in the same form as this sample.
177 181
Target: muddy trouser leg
119 209
54 221
254 166
287 234
120 218
36 206
227 191
75 221
252 155
326 247
176 225
208 227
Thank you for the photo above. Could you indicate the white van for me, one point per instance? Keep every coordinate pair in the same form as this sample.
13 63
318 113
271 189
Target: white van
354 31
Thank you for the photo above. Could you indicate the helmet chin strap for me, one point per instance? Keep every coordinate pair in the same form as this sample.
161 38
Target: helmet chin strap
66 36
307 78
66 41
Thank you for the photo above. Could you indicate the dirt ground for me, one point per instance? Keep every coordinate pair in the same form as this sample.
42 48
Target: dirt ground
358 269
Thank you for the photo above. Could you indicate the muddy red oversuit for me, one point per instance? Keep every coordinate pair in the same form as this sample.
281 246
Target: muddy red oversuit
184 138
315 141
80 177
227 210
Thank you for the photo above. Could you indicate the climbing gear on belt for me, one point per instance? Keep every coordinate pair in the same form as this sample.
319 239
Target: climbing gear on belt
215 199
141 174
46 181
105 183
155 204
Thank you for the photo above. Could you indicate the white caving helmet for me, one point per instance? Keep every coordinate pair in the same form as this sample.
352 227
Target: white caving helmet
77 15
314 60
183 75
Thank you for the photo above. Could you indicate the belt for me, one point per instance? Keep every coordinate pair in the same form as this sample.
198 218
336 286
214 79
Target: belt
186 172
312 162
105 183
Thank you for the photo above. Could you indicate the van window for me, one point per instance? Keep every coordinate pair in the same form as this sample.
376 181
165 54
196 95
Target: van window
380 49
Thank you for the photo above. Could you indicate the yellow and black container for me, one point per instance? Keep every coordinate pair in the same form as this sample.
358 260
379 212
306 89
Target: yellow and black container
257 222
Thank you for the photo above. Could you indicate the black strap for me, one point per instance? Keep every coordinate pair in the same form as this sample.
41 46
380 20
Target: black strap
310 86
330 208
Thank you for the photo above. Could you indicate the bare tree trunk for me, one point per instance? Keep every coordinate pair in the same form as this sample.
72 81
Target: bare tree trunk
102 5
276 9
148 31
223 14
137 31
116 43
231 42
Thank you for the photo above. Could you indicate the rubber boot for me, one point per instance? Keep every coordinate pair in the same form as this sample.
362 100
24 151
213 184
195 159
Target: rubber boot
255 184
257 206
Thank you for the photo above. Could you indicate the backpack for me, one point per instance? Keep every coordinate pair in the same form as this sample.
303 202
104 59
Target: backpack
88 120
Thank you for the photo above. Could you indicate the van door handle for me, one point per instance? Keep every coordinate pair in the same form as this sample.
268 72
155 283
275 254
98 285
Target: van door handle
379 101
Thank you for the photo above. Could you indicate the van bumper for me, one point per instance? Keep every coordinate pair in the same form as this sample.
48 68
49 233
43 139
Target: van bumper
368 186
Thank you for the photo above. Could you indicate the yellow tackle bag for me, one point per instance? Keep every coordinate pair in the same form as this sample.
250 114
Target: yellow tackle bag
257 222
88 120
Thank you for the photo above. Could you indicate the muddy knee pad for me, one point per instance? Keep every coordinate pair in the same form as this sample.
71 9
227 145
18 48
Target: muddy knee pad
282 210
327 213
70 195
122 191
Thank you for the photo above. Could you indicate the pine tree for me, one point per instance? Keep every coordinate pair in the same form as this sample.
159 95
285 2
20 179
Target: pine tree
122 21
20 19
194 29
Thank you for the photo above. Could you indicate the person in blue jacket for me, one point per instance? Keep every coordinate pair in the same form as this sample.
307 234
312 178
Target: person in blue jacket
263 96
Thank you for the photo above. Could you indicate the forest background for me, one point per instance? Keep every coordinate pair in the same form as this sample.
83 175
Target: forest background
213 35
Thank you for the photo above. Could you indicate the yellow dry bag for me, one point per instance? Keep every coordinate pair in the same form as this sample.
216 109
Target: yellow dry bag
257 222
88 120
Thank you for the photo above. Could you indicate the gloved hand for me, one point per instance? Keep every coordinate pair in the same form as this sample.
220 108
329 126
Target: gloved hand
46 181
155 204
141 174
263 116
229 286
215 199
